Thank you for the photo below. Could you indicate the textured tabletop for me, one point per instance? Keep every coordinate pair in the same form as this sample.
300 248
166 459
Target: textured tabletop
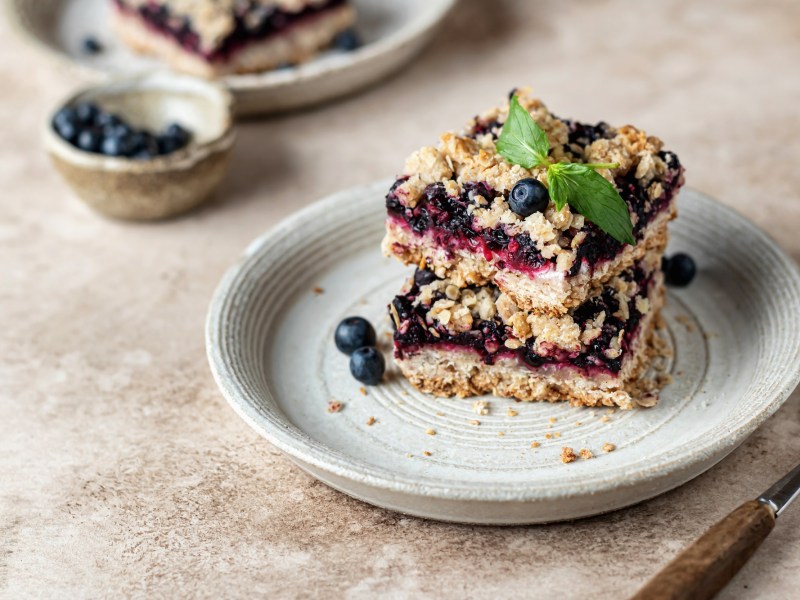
124 473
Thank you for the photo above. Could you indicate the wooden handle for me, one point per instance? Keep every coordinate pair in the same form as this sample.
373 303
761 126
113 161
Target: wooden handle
703 569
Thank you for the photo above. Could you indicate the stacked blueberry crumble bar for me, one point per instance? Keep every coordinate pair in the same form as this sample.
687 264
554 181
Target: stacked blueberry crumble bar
538 259
220 37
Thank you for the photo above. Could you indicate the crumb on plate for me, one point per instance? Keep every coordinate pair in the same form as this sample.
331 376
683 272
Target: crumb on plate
480 407
568 455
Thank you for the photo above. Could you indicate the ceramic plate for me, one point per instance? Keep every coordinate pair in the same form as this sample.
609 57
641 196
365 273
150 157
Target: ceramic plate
734 333
392 31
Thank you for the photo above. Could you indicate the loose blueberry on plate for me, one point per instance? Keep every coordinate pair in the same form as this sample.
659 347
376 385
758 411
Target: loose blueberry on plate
91 45
354 333
528 196
679 269
347 41
367 365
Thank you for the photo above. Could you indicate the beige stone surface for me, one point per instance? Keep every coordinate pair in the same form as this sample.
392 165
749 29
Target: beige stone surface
124 474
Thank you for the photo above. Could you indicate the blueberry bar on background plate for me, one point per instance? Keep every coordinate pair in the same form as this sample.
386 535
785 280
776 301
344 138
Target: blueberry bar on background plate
464 341
213 38
466 213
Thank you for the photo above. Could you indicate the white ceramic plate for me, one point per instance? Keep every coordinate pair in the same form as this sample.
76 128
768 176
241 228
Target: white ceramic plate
393 32
270 344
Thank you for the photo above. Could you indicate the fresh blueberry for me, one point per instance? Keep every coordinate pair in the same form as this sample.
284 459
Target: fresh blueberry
143 141
91 45
89 140
528 196
66 123
167 145
178 133
679 269
111 146
424 277
87 112
117 129
107 118
117 145
347 41
353 333
367 365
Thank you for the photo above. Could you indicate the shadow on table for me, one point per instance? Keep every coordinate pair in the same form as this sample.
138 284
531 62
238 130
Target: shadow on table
258 158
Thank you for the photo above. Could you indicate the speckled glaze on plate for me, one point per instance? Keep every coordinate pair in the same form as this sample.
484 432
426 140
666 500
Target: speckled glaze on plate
269 336
393 31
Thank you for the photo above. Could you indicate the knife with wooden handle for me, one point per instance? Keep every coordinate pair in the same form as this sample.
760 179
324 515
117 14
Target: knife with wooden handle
700 571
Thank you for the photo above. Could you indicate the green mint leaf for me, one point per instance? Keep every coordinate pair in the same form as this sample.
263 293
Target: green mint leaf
522 142
593 196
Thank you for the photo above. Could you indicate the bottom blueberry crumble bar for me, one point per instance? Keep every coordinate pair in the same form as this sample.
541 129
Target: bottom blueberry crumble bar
452 341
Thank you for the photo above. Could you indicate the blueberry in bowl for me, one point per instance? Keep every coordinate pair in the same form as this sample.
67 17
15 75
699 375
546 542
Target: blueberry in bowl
92 129
143 148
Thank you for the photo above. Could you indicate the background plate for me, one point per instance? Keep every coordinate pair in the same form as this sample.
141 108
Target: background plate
393 32
270 344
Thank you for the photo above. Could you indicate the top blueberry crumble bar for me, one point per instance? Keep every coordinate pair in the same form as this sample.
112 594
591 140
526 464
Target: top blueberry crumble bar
467 213
218 37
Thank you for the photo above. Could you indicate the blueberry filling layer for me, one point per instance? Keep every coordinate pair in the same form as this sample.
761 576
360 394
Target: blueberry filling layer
487 337
447 220
253 22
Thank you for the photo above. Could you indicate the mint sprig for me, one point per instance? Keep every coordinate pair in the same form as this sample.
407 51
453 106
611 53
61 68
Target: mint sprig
522 142
593 196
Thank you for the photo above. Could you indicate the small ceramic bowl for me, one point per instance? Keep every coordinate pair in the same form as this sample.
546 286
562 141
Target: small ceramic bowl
163 186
